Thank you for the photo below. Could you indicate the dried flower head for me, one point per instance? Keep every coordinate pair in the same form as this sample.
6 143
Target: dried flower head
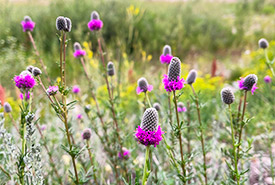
61 23
181 107
86 134
227 96
68 24
7 107
263 43
110 69
27 24
149 133
36 71
192 75
143 86
29 68
157 106
52 90
94 15
95 24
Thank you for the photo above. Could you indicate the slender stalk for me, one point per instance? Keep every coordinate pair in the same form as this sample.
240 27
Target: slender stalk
170 153
201 135
13 122
236 175
148 100
38 55
4 171
44 89
239 109
91 160
269 63
145 175
179 137
188 135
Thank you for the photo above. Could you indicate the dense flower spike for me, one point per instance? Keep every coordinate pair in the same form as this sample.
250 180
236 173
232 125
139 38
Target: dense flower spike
172 81
263 43
86 134
267 79
149 133
52 90
227 96
24 81
191 78
78 52
125 155
61 23
166 55
7 107
36 71
76 89
27 24
157 106
95 24
249 83
181 107
143 86
110 69
68 24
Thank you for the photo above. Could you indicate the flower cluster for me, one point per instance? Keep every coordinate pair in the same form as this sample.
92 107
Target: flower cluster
95 24
78 51
181 107
27 24
166 56
52 90
143 86
249 83
24 82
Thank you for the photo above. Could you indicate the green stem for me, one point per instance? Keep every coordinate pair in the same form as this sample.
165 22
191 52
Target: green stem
269 63
91 160
148 100
236 175
145 175
171 154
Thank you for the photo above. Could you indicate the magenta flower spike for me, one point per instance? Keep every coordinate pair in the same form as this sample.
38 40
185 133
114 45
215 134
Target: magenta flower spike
24 81
27 24
166 56
78 51
267 79
248 83
95 24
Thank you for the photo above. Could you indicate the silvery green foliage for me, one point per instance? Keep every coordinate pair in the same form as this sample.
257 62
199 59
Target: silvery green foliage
167 50
150 120
33 170
174 69
8 153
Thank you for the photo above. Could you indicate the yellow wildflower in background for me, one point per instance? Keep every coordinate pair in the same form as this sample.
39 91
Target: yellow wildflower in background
131 10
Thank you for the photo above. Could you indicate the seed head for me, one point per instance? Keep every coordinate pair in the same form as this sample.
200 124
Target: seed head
227 96
263 43
94 15
7 107
249 81
68 25
174 69
192 75
29 68
167 50
157 106
36 71
77 46
149 120
110 69
61 23
27 19
86 134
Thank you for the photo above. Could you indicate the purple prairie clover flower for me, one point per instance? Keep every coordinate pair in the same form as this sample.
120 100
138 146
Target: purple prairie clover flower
95 24
166 55
24 82
86 134
43 127
78 52
52 90
125 155
149 133
143 86
27 96
79 116
172 81
76 89
27 24
181 107
267 79
249 83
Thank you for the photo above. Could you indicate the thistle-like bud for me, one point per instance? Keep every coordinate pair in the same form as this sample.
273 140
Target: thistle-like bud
157 106
150 120
27 19
7 107
167 50
77 46
142 84
94 15
29 68
68 25
86 134
174 69
36 71
61 23
192 75
249 81
110 69
87 108
227 96
181 105
263 43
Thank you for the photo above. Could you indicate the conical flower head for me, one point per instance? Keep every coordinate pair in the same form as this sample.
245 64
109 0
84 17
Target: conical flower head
227 96
61 23
86 134
263 43
36 71
68 24
157 106
167 50
110 69
7 107
149 120
180 104
27 19
143 84
29 68
94 15
174 69
191 78
249 81
77 46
